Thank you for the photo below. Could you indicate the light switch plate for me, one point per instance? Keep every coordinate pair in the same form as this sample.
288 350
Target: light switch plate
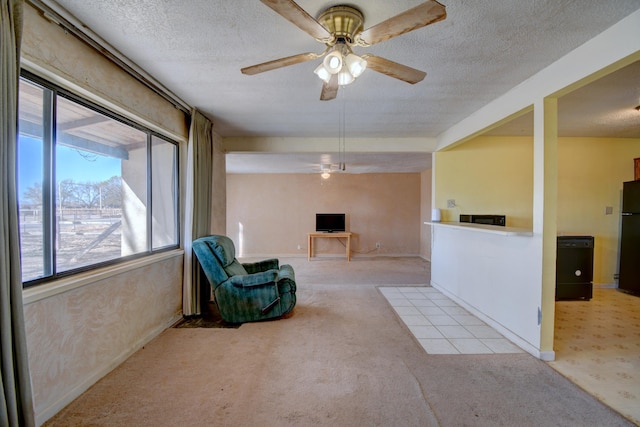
608 210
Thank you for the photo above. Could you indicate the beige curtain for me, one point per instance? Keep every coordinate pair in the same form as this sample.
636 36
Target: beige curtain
16 406
198 206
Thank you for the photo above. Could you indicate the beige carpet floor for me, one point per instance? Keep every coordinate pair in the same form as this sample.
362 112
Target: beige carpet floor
343 358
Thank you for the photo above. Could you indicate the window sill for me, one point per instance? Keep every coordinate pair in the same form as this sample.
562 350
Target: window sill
47 290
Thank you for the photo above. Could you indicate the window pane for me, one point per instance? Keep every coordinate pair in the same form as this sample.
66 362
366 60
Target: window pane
85 193
31 180
101 187
164 195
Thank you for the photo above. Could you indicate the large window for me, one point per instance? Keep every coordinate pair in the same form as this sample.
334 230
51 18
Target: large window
94 188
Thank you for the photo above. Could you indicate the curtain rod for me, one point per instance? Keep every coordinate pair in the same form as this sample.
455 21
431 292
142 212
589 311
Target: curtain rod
58 15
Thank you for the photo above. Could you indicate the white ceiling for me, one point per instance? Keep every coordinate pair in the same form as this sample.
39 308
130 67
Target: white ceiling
484 48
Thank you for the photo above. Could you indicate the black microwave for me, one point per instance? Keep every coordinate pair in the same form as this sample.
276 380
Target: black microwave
500 220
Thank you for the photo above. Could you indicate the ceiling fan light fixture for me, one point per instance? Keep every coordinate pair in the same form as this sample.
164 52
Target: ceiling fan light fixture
322 72
333 62
345 77
341 27
326 171
355 64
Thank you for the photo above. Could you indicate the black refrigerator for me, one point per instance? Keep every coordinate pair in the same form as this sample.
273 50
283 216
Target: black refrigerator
629 274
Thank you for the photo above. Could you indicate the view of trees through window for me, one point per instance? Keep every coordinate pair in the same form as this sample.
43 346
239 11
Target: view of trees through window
83 184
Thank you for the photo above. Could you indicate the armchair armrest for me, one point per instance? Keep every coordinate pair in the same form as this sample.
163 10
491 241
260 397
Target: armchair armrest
255 267
262 278
286 272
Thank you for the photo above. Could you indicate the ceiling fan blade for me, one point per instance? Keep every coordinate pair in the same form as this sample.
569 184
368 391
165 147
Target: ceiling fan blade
300 18
330 90
393 69
279 63
420 16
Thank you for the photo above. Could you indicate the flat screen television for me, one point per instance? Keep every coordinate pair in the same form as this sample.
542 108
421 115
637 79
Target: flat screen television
330 222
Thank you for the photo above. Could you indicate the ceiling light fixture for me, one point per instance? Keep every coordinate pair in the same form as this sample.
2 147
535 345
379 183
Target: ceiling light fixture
340 28
355 64
323 73
345 77
333 62
326 171
343 62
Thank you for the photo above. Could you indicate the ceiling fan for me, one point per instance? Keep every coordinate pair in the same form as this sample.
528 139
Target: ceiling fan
340 28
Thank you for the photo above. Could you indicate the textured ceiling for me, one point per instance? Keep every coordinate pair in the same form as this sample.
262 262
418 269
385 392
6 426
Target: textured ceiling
483 49
604 108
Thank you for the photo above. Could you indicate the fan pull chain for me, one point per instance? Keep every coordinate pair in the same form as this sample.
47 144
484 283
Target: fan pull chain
342 137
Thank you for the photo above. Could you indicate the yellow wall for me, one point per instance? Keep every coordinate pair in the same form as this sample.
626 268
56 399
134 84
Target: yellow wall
590 176
487 175
495 175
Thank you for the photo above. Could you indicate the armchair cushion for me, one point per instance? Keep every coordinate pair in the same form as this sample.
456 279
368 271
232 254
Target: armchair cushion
235 268
267 264
224 251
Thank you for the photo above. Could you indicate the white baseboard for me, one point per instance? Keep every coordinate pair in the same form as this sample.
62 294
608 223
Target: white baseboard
547 356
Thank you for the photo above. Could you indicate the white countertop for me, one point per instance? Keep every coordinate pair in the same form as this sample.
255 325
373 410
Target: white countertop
494 229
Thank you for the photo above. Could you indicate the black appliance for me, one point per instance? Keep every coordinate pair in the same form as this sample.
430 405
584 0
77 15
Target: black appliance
629 273
484 219
574 267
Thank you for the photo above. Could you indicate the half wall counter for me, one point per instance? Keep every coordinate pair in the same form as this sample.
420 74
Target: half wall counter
494 273
483 228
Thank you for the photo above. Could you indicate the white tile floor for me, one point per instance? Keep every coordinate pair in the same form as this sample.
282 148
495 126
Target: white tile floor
443 327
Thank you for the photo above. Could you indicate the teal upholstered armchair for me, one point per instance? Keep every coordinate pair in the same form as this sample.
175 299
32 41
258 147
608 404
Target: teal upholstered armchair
245 292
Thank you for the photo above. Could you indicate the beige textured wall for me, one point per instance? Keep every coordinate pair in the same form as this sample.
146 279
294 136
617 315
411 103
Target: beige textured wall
271 214
75 338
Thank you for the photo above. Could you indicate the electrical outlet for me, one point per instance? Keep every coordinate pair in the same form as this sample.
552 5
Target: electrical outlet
377 245
451 203
539 316
608 210
299 247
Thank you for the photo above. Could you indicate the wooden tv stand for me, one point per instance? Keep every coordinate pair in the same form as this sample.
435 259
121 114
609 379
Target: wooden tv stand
341 234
